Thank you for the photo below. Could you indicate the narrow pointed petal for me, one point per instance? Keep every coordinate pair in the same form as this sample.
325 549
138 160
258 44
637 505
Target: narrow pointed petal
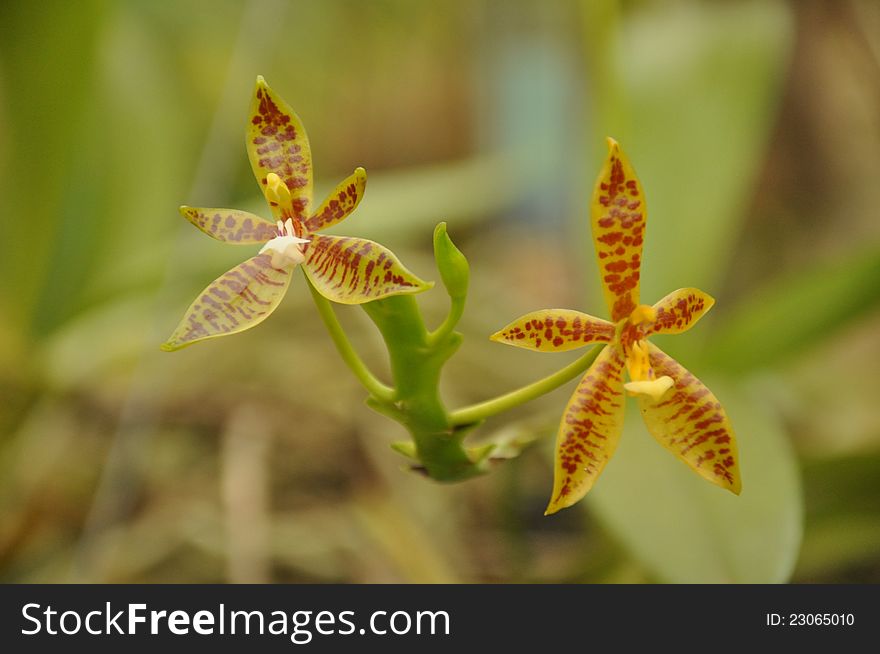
352 270
231 225
589 431
277 143
237 300
618 217
555 330
690 422
340 203
680 310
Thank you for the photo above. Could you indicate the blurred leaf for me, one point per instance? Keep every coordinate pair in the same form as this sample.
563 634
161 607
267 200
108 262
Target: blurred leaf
45 104
844 485
792 314
843 520
688 531
841 542
404 204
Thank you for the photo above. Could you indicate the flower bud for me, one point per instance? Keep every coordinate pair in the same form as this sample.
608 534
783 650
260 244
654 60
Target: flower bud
452 264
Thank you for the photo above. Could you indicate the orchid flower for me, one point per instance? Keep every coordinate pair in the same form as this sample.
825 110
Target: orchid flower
679 411
343 269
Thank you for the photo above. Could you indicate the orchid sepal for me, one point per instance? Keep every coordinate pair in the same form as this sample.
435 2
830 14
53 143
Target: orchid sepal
230 225
277 143
555 330
239 299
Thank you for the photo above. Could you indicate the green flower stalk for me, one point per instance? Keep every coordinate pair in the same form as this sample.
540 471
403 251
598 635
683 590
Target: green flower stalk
353 271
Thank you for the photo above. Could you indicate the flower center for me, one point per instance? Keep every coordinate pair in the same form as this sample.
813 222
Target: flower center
638 363
286 248
643 313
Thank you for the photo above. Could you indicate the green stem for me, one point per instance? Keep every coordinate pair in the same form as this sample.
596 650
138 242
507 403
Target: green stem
483 410
375 387
416 362
456 310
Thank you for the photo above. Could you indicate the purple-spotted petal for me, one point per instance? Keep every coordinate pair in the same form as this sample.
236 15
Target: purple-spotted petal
679 311
237 300
690 422
230 225
344 199
354 270
590 429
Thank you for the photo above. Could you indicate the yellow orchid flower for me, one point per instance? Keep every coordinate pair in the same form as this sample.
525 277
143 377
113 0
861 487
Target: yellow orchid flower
678 409
342 268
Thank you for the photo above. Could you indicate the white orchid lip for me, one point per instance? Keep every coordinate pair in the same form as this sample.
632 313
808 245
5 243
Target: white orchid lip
286 248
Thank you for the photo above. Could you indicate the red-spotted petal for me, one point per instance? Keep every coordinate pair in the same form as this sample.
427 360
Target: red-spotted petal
555 330
237 300
277 143
231 225
589 431
354 270
680 310
690 422
340 203
618 218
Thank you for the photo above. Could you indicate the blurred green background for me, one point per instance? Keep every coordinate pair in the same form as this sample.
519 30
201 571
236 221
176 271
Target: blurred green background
755 128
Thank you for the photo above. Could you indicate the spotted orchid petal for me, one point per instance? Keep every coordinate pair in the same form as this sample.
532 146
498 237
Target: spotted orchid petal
235 301
277 143
230 225
618 219
679 311
352 270
689 421
555 330
590 429
339 204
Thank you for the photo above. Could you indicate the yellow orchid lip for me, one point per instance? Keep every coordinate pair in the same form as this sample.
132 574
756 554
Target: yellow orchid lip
652 388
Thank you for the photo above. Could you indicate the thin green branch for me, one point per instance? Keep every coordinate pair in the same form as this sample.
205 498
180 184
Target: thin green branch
489 408
369 381
456 310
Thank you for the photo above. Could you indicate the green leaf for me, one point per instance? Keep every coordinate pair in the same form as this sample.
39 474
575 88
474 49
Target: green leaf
796 312
685 530
46 174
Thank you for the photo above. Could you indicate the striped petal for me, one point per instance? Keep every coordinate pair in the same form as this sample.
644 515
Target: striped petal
230 225
555 330
680 310
340 203
354 270
237 300
277 143
690 422
618 218
589 431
